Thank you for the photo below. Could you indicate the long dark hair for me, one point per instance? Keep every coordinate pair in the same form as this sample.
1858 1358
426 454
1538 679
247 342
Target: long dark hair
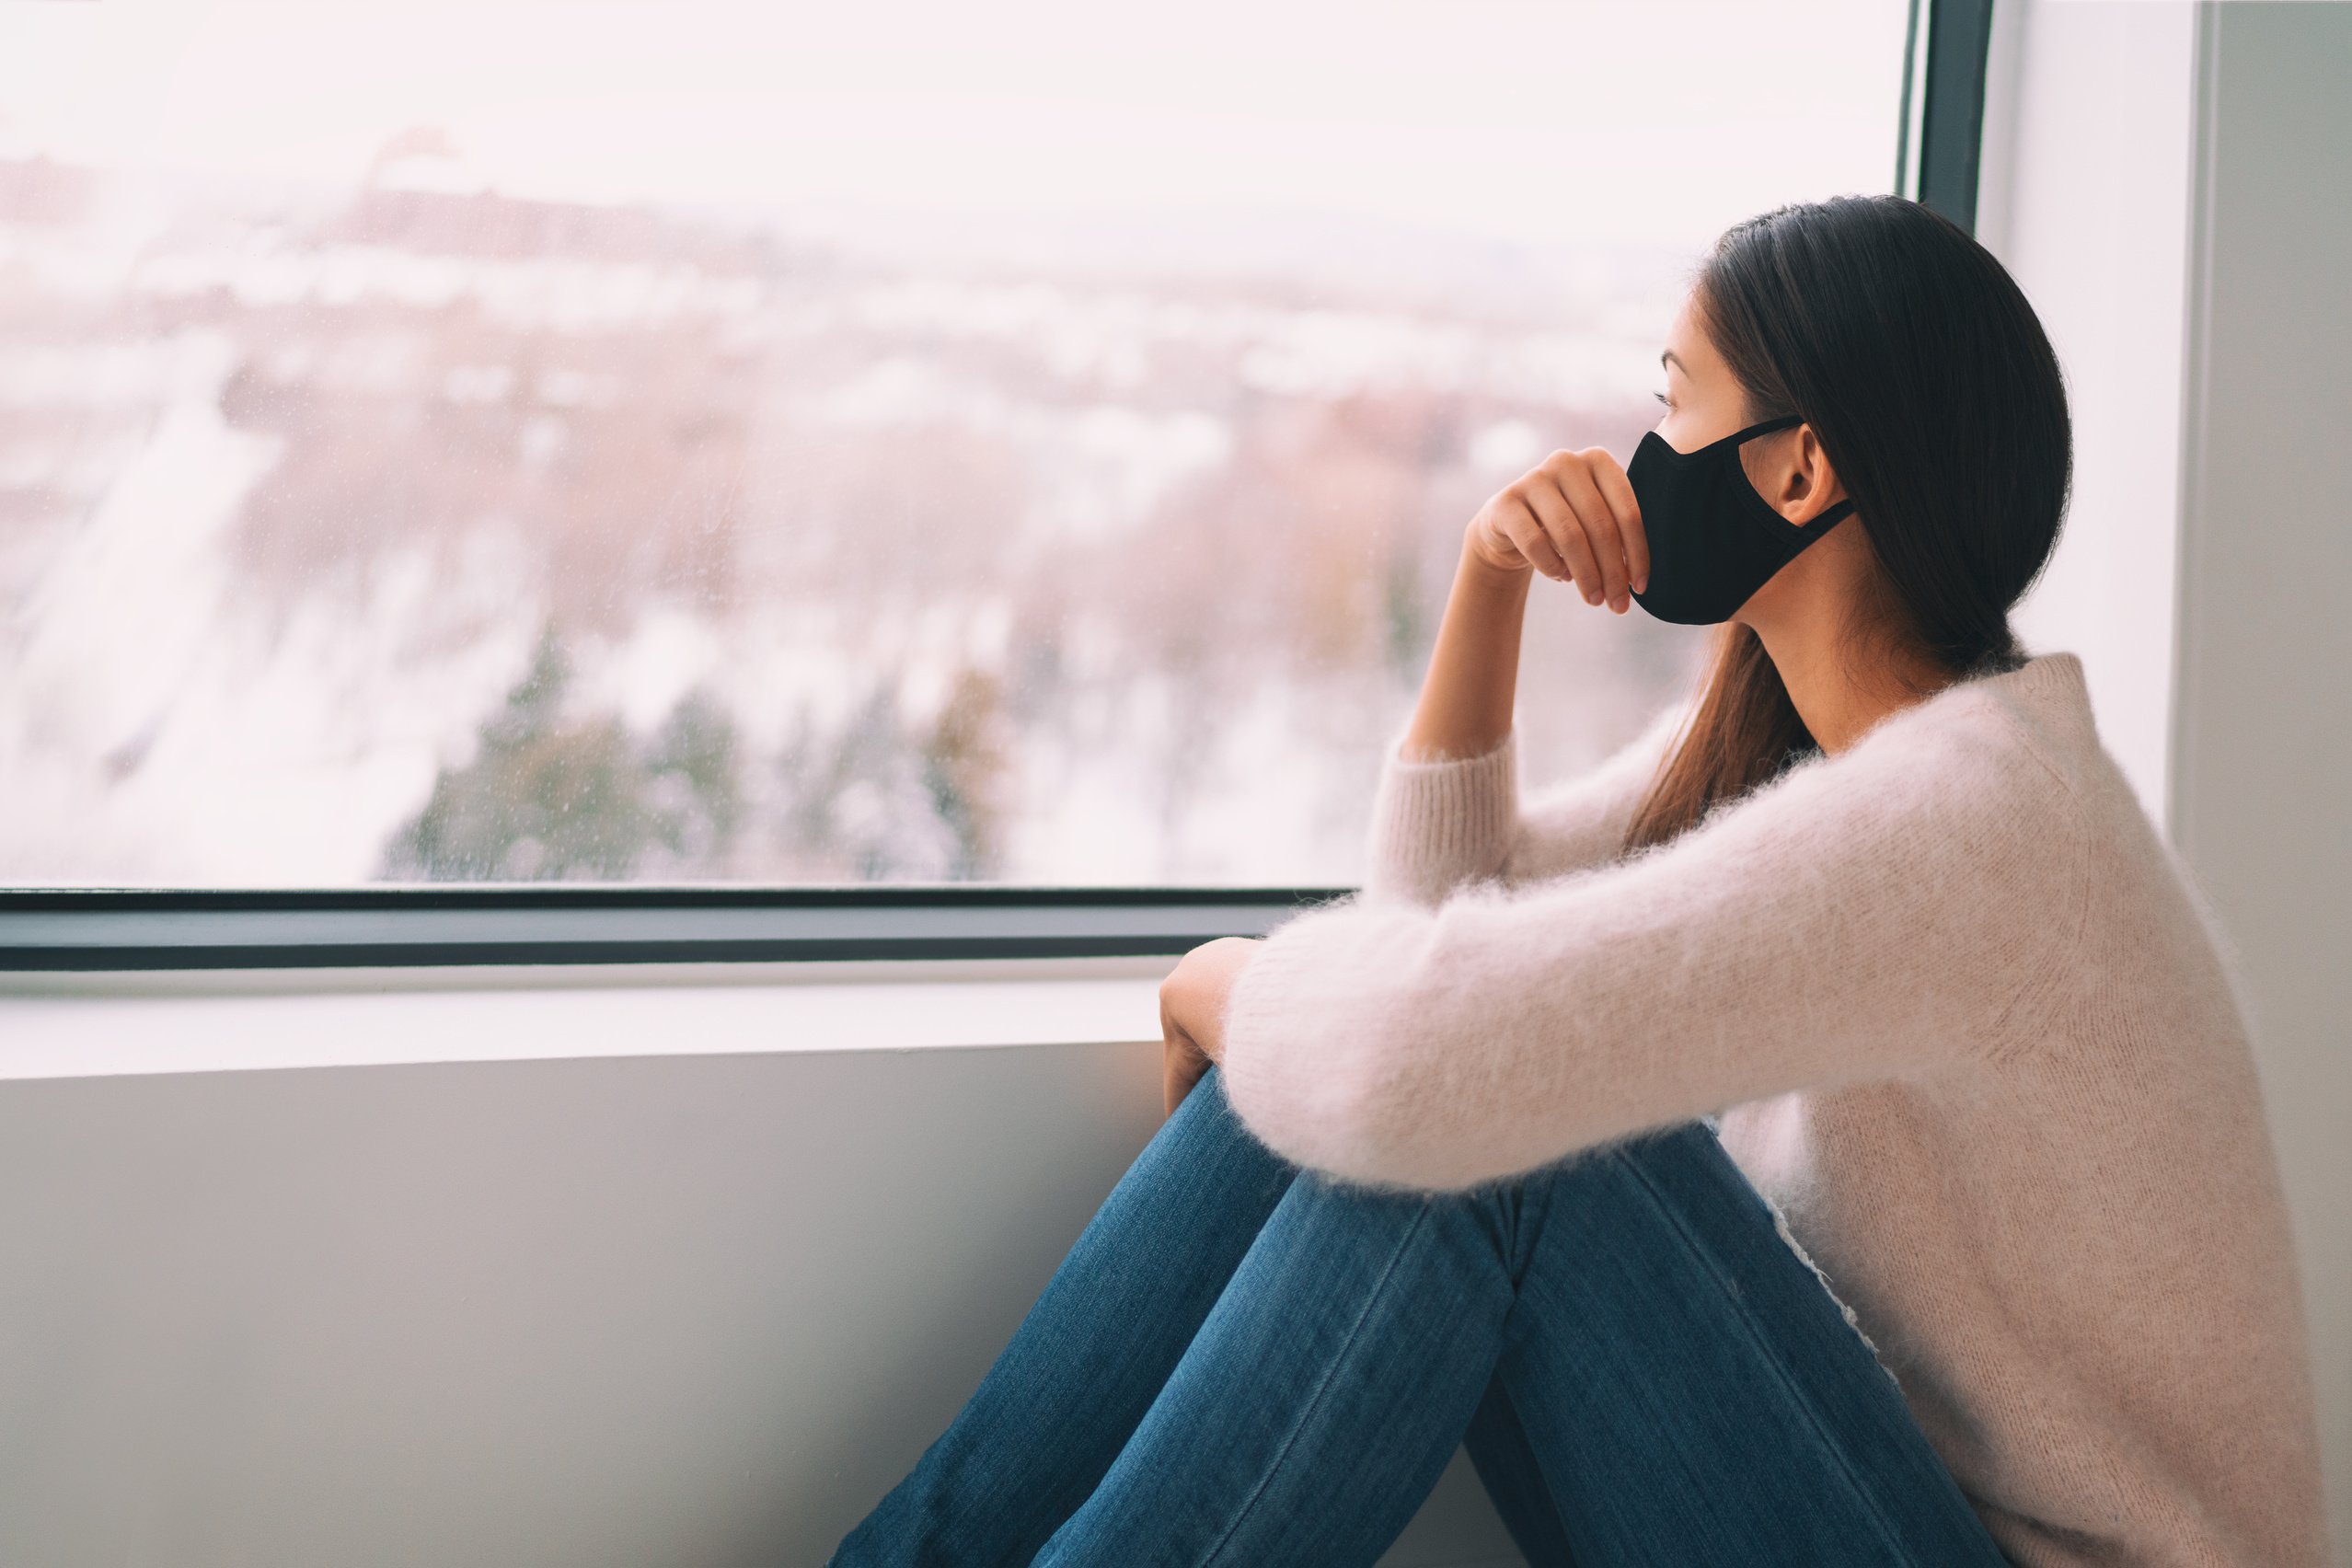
1938 399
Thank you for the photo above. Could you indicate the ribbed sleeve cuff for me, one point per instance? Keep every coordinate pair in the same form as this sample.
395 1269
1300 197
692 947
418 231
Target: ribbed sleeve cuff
1438 824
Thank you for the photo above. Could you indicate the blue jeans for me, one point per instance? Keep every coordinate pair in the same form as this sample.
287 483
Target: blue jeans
1244 1364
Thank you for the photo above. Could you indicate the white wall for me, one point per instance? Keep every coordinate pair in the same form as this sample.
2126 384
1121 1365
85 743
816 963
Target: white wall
2172 185
697 1305
2085 198
2262 759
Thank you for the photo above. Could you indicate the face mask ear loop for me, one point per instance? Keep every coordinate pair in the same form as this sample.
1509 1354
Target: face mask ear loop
1835 514
1820 524
1742 437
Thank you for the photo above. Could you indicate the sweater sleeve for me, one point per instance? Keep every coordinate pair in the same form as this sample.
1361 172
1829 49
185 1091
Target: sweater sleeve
1890 910
1441 822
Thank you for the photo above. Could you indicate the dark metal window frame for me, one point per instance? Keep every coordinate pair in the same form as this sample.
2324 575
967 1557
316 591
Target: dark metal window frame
456 924
1941 143
87 928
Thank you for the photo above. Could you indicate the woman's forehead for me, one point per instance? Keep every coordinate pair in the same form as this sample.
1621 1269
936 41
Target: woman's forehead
1686 347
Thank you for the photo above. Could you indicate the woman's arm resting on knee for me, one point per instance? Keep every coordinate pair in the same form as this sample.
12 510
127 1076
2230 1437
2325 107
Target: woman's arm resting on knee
1885 911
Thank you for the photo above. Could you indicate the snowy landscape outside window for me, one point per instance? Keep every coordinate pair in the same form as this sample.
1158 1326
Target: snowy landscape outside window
904 442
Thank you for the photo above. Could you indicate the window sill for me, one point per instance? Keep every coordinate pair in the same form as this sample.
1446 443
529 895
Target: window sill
56 1024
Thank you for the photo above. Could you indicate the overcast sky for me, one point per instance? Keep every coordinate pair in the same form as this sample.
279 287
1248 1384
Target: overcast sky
1538 121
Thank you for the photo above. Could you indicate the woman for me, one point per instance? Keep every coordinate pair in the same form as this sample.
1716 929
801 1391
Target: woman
1870 956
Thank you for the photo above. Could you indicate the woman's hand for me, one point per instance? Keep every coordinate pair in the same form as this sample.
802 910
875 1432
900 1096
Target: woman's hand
1571 517
1192 1012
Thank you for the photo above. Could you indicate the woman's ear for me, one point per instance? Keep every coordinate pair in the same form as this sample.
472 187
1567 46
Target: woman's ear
1796 476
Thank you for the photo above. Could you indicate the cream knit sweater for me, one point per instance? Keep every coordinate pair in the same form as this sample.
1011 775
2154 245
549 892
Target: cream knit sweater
1962 1019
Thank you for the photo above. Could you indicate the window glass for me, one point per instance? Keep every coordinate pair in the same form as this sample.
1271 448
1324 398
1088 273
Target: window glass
907 440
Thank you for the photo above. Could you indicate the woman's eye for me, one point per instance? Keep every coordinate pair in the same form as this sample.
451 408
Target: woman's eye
1661 397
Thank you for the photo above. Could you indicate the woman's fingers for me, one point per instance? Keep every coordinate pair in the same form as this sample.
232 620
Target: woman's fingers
1599 527
1181 1066
1574 517
1566 534
1619 492
1526 534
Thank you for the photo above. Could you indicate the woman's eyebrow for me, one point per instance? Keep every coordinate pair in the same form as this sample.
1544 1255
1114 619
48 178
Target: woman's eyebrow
1668 358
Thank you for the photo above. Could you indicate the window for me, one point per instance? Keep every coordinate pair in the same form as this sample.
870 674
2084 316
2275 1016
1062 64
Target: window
902 442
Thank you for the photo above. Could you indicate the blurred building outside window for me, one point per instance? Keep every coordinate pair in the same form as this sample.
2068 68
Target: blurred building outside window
910 441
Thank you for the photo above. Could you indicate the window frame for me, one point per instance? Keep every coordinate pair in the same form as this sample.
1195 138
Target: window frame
1941 144
456 924
462 924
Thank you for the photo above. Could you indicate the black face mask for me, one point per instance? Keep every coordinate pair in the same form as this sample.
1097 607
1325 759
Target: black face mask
1714 541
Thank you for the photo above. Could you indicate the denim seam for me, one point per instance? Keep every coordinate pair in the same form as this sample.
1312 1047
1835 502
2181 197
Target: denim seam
1770 1357
1530 1231
1331 1371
